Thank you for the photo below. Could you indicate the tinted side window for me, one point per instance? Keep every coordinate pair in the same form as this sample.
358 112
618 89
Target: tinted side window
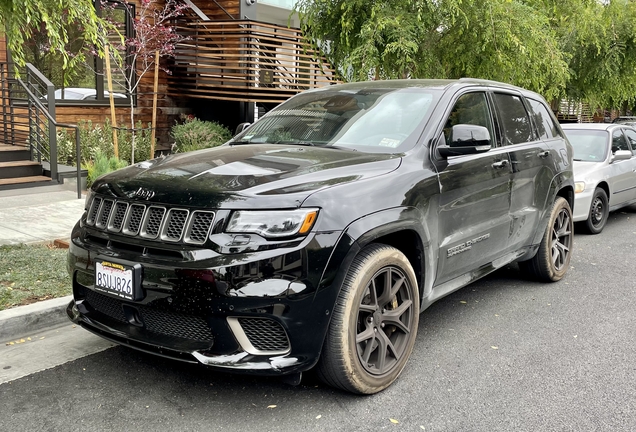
631 137
515 121
618 141
543 120
470 108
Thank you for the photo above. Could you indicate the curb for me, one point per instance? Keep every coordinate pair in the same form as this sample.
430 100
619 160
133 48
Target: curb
26 320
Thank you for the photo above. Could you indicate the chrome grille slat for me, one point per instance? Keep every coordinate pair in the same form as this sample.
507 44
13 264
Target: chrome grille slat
151 222
94 210
133 219
104 214
199 227
176 221
119 214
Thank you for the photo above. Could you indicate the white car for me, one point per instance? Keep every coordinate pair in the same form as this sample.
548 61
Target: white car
82 93
604 170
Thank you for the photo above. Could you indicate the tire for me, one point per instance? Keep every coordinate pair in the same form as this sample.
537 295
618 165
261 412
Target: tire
372 330
599 210
552 260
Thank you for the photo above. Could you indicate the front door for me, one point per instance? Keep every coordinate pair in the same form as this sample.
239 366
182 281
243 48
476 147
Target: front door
475 196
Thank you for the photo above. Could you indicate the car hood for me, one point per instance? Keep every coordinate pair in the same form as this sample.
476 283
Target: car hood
243 176
583 170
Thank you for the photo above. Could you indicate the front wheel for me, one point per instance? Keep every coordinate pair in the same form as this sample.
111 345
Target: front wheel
374 324
553 257
599 211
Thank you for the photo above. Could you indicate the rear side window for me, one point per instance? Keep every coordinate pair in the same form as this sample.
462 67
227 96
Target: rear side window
543 120
515 121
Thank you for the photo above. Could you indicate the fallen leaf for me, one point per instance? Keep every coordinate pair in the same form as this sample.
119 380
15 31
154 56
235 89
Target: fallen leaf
318 416
394 421
28 338
271 406
422 427
575 336
494 347
462 301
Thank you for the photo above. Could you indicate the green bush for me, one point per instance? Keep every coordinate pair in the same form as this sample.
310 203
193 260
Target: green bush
96 139
102 164
197 134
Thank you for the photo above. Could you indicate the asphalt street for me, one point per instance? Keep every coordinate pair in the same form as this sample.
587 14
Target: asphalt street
503 354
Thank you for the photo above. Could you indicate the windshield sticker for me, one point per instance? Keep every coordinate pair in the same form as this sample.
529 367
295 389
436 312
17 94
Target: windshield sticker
389 142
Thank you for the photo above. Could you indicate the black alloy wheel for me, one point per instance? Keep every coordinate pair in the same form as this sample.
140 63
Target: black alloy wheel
374 322
552 260
385 320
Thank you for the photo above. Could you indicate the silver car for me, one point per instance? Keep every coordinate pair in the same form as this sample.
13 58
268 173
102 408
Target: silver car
604 170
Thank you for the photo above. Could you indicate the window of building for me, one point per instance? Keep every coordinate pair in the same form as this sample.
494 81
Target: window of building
86 82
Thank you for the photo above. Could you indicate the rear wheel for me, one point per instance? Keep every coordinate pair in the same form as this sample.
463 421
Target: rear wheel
553 257
599 210
374 324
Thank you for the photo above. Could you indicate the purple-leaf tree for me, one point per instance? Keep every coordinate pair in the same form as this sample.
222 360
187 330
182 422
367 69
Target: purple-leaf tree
152 33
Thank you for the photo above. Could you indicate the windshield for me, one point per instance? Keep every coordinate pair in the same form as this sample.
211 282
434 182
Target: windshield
588 145
368 120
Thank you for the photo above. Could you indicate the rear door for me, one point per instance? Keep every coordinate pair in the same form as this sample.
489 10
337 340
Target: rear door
533 163
475 195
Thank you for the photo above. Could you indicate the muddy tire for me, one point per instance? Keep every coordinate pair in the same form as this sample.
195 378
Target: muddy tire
553 257
374 324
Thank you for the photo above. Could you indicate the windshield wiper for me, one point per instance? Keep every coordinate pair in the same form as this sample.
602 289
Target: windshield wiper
301 143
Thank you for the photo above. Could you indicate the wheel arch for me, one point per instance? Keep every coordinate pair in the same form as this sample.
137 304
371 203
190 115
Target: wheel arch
398 227
605 186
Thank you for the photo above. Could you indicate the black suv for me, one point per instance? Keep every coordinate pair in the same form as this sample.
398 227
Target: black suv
316 236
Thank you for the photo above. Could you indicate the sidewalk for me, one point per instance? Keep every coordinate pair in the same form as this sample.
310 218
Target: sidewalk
36 215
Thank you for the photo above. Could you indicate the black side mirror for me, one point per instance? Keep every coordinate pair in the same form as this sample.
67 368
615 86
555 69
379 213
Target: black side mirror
241 127
466 139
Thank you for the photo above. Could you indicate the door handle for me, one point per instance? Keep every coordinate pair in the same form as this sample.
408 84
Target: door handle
500 164
544 154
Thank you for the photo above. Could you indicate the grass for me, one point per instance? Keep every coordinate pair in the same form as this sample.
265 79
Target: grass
31 273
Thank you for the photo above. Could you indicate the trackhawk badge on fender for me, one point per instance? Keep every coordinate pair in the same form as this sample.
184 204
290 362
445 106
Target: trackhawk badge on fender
466 245
143 193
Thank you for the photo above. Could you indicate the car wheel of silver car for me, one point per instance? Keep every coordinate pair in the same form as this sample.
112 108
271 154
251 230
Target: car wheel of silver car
374 324
599 210
553 257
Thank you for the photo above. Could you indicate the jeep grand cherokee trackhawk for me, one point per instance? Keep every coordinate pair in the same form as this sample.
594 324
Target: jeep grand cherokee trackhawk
315 237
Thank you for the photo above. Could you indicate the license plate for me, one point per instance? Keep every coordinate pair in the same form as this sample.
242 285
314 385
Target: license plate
118 279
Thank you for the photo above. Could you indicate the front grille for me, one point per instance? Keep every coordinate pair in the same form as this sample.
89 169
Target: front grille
150 222
265 334
165 323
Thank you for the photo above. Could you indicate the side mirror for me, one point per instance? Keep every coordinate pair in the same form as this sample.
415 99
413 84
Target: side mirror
466 139
241 127
621 155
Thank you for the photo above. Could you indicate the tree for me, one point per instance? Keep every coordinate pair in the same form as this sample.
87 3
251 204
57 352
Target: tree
152 34
18 19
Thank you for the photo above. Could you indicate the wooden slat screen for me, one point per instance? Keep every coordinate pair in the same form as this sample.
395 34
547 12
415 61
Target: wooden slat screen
231 60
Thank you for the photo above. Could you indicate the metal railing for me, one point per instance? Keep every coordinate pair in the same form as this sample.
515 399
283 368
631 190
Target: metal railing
28 117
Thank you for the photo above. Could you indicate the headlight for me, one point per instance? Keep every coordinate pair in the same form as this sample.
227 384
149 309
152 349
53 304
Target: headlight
273 224
579 187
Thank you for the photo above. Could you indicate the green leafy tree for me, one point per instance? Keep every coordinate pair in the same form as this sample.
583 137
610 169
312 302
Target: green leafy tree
18 19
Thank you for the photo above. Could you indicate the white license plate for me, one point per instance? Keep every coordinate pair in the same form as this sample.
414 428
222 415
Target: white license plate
115 278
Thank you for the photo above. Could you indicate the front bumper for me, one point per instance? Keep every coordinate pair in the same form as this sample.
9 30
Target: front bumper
264 312
582 203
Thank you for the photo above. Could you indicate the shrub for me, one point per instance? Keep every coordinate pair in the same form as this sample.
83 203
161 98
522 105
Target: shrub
99 139
197 134
102 164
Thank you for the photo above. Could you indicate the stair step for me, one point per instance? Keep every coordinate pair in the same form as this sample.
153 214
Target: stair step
22 180
20 169
14 153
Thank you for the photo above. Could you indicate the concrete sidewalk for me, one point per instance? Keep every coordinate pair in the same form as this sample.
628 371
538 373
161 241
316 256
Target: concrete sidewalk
36 215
